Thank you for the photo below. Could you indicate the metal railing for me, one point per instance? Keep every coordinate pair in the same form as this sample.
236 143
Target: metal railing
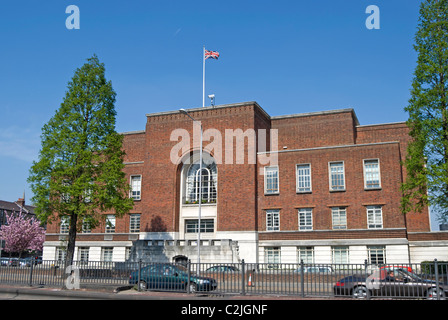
422 280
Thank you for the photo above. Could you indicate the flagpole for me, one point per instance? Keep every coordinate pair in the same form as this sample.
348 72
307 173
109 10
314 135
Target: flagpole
203 78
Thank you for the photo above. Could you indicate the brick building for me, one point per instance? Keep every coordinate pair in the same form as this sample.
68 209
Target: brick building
313 186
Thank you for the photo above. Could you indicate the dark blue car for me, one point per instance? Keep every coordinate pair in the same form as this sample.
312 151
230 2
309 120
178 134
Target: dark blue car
165 276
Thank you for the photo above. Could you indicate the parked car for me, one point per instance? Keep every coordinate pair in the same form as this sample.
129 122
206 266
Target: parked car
384 284
170 277
222 268
315 269
4 262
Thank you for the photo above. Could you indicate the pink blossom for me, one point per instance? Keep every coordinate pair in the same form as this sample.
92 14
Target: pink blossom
22 234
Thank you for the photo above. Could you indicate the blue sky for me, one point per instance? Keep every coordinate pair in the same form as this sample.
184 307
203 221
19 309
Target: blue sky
290 56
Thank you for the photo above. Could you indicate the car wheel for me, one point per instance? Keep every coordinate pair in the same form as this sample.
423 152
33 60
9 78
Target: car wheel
192 286
360 292
142 285
434 293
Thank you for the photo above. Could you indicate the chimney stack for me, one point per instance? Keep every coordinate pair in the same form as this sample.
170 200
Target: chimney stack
21 202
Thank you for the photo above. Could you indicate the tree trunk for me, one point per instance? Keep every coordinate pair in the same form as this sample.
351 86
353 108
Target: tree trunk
71 240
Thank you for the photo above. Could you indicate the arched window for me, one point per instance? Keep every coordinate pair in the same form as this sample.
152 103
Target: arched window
193 185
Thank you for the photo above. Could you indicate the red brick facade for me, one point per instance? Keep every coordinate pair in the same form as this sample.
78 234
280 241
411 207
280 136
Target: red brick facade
316 139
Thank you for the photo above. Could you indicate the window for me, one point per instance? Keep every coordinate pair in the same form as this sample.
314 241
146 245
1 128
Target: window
206 189
377 254
374 217
65 196
83 254
65 225
61 253
110 223
272 255
86 226
134 223
107 254
339 218
136 187
306 254
305 219
372 174
207 226
340 255
272 220
271 180
337 176
303 172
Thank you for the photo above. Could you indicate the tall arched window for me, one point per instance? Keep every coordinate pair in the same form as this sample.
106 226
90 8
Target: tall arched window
193 185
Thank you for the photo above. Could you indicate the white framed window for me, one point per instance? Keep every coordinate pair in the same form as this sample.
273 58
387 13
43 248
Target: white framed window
61 253
107 254
272 255
305 219
207 226
372 177
86 226
206 189
374 217
271 180
134 223
83 254
340 255
110 223
65 225
337 176
377 254
65 196
306 254
303 178
272 220
136 187
339 218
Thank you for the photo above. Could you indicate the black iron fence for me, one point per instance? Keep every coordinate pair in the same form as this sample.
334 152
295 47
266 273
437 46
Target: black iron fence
427 280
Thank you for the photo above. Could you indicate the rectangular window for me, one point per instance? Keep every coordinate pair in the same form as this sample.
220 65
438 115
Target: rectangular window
340 255
134 223
377 254
337 176
305 219
107 254
339 218
272 255
207 226
372 178
136 187
374 217
83 254
110 223
86 226
65 225
61 253
271 180
306 254
303 172
272 220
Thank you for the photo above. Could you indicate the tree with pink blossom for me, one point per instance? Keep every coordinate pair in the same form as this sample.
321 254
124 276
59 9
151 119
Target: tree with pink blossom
22 234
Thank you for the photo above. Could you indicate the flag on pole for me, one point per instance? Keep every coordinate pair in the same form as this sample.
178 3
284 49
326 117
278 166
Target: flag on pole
208 54
211 55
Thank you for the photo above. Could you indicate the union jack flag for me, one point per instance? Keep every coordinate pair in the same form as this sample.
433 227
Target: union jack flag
211 55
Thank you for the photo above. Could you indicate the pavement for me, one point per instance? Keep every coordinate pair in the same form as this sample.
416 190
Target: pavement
122 293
